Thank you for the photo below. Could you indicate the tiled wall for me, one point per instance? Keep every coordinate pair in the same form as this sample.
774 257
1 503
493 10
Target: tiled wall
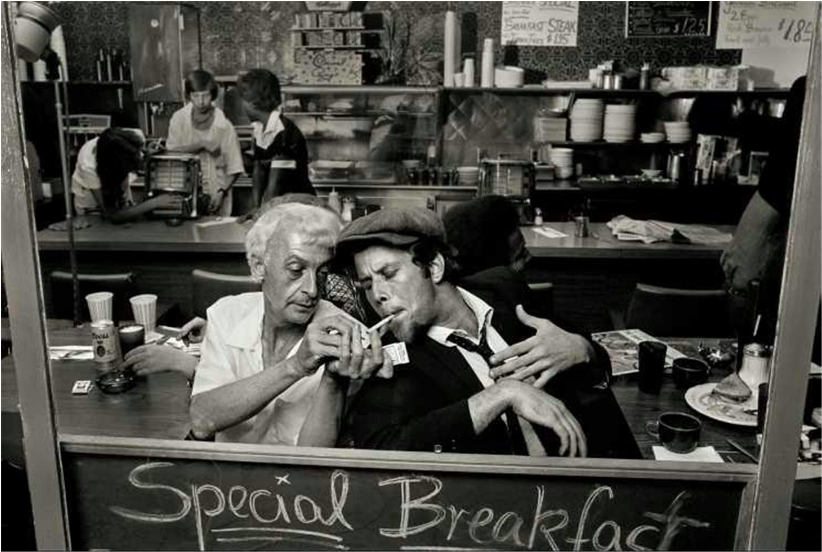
237 35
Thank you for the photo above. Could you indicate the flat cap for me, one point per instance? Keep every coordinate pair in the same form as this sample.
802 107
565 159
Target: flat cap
399 227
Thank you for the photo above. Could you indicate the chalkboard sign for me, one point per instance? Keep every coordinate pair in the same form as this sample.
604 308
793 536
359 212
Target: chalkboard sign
129 498
765 24
667 19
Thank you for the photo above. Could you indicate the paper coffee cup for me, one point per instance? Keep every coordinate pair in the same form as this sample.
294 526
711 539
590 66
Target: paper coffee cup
145 310
100 305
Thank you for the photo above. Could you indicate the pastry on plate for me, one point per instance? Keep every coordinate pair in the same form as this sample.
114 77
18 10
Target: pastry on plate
732 389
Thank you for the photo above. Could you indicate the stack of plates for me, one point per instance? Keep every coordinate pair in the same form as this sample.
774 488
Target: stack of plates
563 161
652 137
586 120
620 123
678 132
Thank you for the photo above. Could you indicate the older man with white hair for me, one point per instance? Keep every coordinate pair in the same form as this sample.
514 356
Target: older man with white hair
267 353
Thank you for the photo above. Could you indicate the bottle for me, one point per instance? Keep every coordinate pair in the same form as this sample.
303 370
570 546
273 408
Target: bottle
644 77
538 217
487 76
334 201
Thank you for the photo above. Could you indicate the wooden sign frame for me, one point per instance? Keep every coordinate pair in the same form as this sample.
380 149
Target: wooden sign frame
763 515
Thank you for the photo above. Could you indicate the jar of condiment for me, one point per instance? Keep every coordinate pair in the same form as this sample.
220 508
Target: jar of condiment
755 368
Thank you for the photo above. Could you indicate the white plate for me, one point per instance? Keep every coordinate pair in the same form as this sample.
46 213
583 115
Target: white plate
700 399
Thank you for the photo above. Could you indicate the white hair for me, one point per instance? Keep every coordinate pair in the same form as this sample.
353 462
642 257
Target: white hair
318 222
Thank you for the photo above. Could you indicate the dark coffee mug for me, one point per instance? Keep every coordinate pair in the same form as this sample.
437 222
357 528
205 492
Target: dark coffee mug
131 337
676 431
651 364
689 372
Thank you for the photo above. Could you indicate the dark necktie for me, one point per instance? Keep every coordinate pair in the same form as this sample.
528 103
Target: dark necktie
514 431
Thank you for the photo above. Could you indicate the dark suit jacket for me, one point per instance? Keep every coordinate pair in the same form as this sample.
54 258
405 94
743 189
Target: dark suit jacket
424 407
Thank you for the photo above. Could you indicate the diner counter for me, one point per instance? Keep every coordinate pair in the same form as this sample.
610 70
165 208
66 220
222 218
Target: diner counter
212 234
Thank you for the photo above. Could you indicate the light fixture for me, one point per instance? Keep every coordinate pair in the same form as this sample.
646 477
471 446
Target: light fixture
32 29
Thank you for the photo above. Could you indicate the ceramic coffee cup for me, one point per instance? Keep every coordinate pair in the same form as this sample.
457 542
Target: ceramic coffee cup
678 432
689 372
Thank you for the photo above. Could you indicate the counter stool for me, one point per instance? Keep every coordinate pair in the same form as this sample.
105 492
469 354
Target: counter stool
673 312
123 286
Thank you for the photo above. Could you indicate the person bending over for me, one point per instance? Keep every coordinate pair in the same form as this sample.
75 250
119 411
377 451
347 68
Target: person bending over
202 128
265 354
280 151
101 183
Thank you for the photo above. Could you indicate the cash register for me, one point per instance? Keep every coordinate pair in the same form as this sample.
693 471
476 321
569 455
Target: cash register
178 174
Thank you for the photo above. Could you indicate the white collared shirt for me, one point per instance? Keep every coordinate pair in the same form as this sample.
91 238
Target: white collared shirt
232 350
484 314
264 137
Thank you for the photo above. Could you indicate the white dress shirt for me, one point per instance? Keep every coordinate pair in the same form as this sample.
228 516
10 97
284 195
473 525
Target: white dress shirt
264 136
233 350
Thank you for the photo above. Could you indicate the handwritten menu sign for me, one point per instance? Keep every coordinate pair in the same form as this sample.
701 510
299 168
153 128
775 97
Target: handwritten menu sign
764 24
174 503
540 23
667 19
327 67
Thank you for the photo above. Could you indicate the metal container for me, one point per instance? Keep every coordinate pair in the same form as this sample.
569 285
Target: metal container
674 171
506 177
104 344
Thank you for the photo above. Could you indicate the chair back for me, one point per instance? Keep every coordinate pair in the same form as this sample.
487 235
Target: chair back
123 286
671 312
207 287
541 299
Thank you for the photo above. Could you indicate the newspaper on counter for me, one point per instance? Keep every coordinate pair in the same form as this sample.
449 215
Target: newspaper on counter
650 231
622 349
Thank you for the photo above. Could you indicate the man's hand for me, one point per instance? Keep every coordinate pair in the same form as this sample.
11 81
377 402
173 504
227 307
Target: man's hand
193 331
547 353
358 363
542 409
215 202
147 359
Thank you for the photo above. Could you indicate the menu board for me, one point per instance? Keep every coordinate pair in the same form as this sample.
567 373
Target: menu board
327 67
764 24
540 23
667 19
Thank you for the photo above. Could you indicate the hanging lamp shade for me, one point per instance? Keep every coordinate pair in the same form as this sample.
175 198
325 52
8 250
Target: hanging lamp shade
32 29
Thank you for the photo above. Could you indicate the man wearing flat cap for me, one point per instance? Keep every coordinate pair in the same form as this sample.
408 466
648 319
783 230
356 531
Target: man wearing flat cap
447 398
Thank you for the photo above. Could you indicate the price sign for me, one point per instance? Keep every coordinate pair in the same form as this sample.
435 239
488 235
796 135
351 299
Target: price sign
764 24
540 23
667 19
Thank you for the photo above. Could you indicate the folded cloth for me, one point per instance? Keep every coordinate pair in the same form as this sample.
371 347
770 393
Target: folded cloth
650 231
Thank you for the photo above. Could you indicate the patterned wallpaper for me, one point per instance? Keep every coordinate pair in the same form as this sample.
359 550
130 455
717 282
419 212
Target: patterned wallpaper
239 35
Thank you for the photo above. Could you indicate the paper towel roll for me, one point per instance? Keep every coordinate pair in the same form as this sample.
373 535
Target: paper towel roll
487 76
58 44
450 46
40 70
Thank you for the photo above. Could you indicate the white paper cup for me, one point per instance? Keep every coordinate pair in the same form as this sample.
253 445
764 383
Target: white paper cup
100 305
145 311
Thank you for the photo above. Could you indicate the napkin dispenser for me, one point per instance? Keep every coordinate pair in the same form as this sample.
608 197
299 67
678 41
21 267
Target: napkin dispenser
178 174
510 178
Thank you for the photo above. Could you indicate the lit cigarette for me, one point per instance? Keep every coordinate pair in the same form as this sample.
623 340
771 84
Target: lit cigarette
381 323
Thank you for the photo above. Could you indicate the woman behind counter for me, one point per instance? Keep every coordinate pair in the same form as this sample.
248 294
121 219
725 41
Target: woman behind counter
101 182
201 127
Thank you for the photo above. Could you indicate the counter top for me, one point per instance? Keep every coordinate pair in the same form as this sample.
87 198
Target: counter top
211 234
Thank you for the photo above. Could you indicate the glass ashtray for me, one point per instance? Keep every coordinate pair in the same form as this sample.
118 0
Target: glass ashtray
116 381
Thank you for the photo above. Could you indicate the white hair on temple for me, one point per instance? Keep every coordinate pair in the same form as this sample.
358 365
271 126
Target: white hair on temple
318 222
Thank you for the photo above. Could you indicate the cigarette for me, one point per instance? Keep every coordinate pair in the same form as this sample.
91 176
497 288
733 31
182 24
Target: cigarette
381 323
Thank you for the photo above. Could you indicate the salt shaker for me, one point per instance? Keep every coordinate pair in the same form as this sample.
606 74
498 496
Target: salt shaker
755 366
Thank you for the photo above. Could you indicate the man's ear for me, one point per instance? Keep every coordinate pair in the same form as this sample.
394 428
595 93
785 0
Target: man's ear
257 270
437 268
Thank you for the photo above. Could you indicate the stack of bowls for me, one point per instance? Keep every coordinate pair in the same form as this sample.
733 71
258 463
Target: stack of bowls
563 161
586 120
652 137
678 132
620 123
